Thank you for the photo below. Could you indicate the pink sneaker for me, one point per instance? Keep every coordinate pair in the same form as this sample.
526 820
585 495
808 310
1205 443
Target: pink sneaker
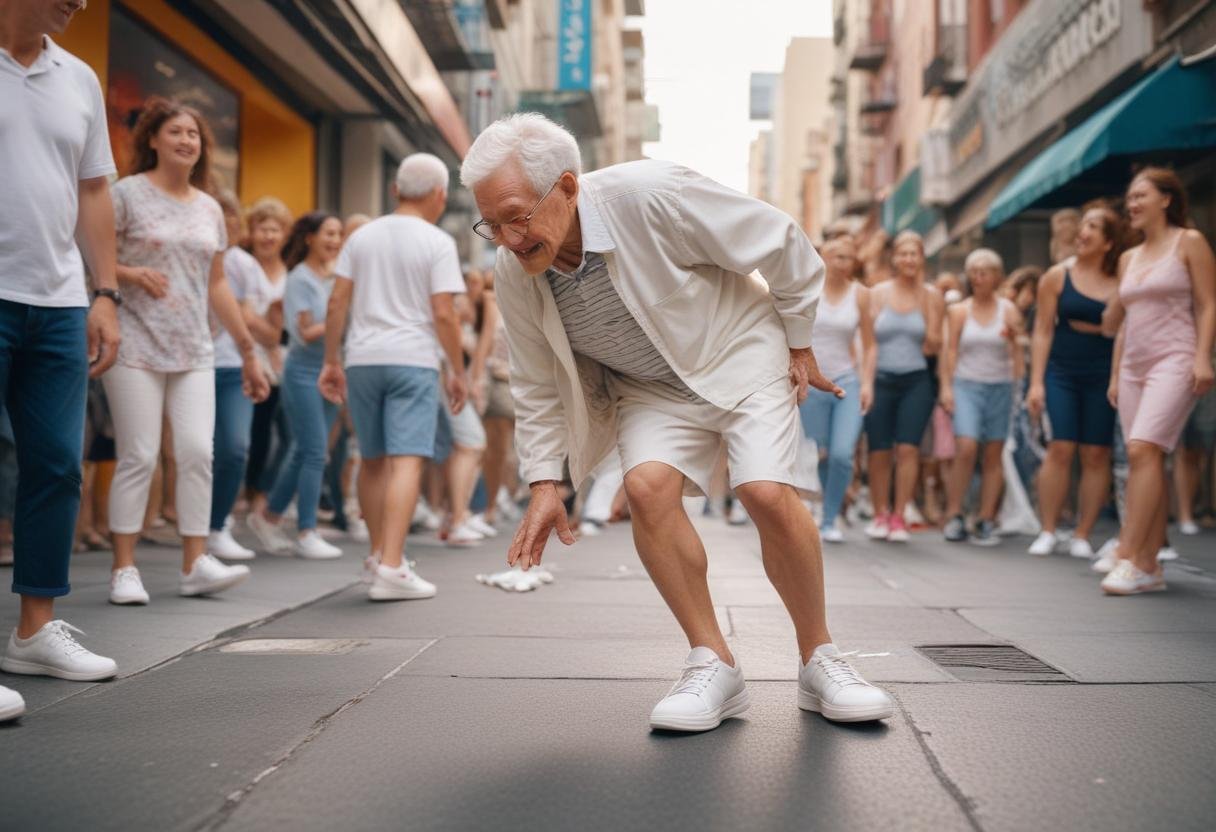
899 531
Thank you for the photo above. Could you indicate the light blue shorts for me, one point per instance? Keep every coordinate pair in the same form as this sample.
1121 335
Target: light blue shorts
394 408
982 409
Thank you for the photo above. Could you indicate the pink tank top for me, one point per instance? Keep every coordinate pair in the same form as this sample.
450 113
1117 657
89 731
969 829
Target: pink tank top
1160 309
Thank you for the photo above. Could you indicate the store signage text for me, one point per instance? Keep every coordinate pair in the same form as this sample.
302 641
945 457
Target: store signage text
574 35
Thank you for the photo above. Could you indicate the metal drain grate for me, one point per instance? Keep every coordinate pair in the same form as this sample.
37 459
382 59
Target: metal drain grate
991 663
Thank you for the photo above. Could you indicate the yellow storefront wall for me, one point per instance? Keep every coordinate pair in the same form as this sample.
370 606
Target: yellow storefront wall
277 146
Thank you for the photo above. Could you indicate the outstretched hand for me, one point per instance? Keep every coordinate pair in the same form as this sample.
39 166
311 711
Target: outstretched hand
546 512
804 374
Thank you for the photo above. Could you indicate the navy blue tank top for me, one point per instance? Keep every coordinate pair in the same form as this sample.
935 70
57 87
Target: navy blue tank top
1079 352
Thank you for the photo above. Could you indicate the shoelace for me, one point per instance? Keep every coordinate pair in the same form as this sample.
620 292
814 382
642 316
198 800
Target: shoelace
696 678
838 670
61 631
1126 570
127 576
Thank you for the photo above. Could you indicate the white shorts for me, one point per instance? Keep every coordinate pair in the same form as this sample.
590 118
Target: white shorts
760 437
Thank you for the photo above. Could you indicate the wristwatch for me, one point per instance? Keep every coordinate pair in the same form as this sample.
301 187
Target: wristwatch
112 294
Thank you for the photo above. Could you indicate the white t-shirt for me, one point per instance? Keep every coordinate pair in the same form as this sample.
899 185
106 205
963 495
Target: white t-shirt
245 277
396 263
52 135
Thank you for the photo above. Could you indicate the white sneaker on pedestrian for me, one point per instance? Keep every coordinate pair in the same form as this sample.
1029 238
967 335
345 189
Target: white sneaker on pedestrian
272 538
400 584
1167 553
223 545
426 517
1188 528
737 517
708 691
1079 547
126 587
464 535
54 651
1127 579
478 524
209 575
589 528
11 704
879 528
829 685
1044 544
369 568
832 535
311 546
357 529
506 506
1108 556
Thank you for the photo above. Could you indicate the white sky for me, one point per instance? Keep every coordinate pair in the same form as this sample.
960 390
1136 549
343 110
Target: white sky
699 58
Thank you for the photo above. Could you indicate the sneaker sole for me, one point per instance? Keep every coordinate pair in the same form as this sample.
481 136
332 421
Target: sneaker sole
380 593
246 555
895 537
129 602
737 705
24 668
12 712
211 589
808 701
1138 591
975 541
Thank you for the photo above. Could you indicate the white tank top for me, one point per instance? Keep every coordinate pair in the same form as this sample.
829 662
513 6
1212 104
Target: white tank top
834 332
983 352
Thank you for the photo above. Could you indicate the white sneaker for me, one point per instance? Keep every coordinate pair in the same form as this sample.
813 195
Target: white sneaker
356 527
879 528
272 538
223 545
464 535
1079 547
829 685
478 524
1108 556
426 517
400 584
589 528
1188 528
737 517
832 535
1166 553
1044 544
311 546
11 704
126 587
53 651
209 575
708 692
506 506
369 568
1127 579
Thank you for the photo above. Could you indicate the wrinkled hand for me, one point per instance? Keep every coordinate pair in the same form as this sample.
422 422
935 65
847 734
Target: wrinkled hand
254 383
546 512
1036 399
804 374
458 391
332 383
103 336
1203 375
151 281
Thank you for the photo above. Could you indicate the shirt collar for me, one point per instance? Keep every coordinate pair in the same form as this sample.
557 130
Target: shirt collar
596 236
51 55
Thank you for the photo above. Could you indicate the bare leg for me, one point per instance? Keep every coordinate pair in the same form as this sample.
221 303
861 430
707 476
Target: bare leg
1055 477
1186 482
1094 489
1139 540
907 470
965 451
36 612
371 501
192 549
124 550
497 443
992 480
673 554
793 560
880 482
462 478
400 497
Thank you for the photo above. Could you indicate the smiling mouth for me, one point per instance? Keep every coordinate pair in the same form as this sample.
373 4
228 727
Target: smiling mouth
527 252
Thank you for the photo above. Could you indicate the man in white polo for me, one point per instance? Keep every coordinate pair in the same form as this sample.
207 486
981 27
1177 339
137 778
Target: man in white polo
54 160
633 322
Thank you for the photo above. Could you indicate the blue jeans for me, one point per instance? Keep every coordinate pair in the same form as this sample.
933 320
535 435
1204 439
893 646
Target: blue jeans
835 425
230 443
44 375
310 417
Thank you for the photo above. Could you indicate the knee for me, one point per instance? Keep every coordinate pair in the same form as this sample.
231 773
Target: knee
1061 453
965 447
140 461
192 453
653 488
763 496
1094 457
841 460
1142 453
907 454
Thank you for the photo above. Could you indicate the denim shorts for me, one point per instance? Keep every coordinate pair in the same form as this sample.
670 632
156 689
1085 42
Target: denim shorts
982 410
394 408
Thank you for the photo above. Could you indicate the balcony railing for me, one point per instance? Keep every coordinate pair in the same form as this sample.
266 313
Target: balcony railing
946 74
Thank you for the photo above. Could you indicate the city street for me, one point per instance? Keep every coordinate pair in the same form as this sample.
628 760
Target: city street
292 702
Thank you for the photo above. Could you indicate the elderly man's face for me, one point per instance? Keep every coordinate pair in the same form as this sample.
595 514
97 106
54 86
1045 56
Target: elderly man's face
506 196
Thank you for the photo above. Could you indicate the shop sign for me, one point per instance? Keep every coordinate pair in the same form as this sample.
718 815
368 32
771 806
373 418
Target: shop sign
1055 56
574 35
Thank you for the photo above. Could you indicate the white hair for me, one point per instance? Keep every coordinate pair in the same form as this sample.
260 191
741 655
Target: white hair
543 149
419 174
984 258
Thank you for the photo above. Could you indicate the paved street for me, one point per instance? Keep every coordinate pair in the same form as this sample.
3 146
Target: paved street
483 709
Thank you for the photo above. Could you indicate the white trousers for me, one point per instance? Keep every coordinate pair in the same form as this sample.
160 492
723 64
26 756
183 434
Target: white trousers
138 400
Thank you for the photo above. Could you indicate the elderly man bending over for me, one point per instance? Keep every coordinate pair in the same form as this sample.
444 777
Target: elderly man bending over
633 323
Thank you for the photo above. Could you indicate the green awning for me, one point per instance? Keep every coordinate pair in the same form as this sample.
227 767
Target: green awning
903 211
1173 109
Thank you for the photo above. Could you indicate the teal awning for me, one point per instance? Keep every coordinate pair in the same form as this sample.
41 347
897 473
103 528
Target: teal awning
1173 109
902 210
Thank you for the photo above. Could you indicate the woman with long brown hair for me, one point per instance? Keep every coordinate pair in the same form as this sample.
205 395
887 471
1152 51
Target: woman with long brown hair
171 240
1165 316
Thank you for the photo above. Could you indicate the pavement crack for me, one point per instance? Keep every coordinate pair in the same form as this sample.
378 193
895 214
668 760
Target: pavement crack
966 804
222 815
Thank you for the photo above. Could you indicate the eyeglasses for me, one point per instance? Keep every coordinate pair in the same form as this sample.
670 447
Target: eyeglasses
519 227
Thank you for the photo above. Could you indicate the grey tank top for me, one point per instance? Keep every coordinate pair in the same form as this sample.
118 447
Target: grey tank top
901 340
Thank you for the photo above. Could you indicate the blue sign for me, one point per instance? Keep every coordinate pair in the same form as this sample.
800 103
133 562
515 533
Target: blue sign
574 44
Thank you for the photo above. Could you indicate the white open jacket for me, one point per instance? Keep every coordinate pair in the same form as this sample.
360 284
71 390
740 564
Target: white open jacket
684 250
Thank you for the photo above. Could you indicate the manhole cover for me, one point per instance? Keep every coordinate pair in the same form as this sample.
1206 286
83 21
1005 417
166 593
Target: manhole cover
294 646
991 663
